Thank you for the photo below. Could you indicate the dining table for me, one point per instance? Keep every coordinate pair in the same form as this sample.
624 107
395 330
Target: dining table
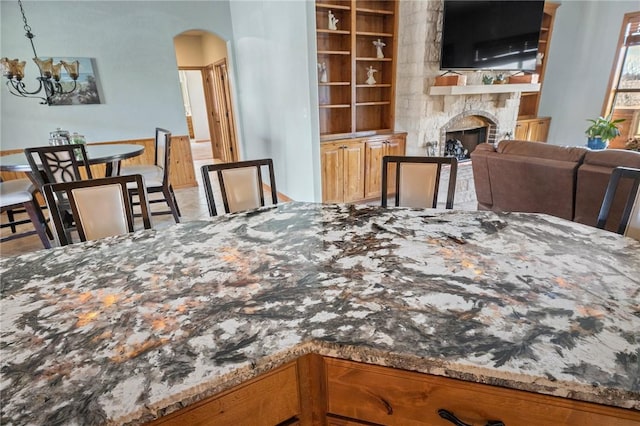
126 329
109 154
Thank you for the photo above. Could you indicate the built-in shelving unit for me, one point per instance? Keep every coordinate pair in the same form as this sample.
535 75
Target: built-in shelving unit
349 107
529 101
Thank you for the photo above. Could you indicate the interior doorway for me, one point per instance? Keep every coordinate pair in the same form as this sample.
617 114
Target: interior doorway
206 88
195 108
221 121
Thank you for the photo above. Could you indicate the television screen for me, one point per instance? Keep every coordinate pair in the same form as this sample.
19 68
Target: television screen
490 35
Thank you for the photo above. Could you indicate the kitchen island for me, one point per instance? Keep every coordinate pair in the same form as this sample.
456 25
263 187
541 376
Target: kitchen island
130 328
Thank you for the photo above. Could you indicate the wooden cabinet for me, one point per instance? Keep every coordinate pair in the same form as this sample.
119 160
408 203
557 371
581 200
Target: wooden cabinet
375 149
350 103
343 165
352 168
268 400
382 395
534 129
316 390
529 101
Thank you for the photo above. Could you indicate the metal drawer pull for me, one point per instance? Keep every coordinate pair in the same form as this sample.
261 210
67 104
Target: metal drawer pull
448 415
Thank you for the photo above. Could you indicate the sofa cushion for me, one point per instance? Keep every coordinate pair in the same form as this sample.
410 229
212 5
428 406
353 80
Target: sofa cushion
542 150
530 184
592 180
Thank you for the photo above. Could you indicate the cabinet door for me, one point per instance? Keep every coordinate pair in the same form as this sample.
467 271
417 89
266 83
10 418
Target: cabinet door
521 131
539 130
375 150
353 171
332 161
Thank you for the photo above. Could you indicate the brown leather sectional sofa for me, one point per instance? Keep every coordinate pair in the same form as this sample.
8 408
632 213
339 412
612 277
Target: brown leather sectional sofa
568 182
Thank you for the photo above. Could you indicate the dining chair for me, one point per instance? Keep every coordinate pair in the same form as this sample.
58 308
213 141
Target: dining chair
19 194
240 183
156 176
417 180
100 207
630 220
59 163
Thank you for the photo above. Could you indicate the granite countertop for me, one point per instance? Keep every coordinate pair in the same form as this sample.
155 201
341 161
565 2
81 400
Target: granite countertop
128 328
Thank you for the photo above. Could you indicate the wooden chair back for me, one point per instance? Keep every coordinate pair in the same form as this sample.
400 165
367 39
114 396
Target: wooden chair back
240 183
163 151
59 163
417 180
100 207
630 221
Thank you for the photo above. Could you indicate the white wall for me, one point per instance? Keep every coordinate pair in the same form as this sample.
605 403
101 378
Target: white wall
583 47
198 105
274 45
132 43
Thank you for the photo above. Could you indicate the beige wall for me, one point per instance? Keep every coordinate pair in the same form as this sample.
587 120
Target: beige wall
213 48
188 51
199 50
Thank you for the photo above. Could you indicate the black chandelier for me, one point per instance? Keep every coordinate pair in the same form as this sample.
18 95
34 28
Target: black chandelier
49 80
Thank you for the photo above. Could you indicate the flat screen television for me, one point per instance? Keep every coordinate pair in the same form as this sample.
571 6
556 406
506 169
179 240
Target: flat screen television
490 35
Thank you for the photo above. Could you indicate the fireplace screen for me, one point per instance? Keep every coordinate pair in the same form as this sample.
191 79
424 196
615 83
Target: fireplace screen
461 143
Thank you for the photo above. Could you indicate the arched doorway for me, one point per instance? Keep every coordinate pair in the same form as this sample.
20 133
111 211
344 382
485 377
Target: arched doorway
202 63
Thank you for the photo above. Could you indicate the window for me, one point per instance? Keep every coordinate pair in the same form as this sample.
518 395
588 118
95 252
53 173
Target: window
624 93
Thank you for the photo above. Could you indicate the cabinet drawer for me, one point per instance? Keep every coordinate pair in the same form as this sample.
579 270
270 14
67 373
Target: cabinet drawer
395 397
265 401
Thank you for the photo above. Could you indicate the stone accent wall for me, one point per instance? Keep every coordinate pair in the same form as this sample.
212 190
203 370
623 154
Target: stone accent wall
424 116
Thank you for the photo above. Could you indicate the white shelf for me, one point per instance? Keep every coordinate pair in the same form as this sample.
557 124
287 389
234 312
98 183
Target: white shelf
483 88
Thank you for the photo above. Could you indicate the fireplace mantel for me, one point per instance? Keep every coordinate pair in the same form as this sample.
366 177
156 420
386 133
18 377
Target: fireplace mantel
483 88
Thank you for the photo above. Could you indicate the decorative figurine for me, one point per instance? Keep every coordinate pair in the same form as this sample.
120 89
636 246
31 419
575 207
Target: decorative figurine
370 72
333 21
539 57
322 70
379 44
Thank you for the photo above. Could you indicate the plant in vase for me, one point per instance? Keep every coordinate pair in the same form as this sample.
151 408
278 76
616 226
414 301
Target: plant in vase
601 131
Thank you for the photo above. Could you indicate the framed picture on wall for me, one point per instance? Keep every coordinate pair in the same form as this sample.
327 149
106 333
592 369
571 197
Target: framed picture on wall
86 92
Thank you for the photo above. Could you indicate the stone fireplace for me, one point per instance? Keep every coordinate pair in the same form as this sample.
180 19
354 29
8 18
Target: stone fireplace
427 117
431 119
467 130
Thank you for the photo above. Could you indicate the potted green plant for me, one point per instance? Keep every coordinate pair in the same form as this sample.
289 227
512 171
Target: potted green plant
601 131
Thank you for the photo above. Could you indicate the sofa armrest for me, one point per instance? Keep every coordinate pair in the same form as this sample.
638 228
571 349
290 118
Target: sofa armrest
481 175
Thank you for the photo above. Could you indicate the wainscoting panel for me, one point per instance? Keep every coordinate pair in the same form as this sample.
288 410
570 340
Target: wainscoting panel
182 173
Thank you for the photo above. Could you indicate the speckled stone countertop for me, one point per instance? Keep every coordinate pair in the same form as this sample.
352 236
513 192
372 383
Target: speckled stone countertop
127 328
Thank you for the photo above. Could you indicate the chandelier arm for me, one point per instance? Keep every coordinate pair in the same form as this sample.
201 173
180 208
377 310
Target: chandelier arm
17 89
21 88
